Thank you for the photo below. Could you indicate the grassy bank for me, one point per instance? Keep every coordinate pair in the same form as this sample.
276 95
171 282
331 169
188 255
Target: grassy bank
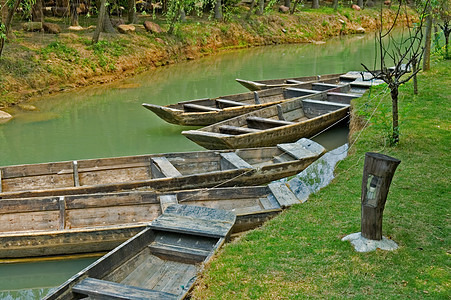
300 255
36 64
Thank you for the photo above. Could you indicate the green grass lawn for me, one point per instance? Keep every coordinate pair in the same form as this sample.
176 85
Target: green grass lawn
300 254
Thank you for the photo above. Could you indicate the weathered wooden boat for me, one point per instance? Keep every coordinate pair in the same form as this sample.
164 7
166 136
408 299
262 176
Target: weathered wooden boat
75 224
280 123
357 79
207 111
162 172
161 262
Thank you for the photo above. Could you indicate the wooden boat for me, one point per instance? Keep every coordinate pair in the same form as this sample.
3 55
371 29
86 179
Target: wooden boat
161 262
74 224
162 172
207 111
281 123
357 79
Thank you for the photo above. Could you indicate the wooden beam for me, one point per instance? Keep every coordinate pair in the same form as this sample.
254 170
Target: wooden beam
283 194
230 160
236 130
102 289
167 200
76 176
62 206
280 112
198 108
162 167
0 181
257 98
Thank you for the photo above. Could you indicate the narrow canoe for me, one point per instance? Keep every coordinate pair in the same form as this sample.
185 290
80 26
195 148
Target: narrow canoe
201 112
358 79
32 227
281 123
162 172
161 262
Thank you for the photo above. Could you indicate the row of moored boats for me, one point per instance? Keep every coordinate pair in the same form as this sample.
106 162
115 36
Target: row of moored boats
165 214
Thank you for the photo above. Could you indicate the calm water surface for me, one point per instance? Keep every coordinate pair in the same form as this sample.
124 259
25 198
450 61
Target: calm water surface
109 121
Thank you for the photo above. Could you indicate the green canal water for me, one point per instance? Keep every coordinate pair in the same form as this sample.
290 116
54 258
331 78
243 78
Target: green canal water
109 121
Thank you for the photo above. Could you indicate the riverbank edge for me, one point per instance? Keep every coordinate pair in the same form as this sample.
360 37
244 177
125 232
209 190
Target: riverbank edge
41 68
300 253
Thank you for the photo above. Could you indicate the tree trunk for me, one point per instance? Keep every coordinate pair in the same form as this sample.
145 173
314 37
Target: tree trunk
36 12
335 5
378 171
394 99
293 8
288 3
261 7
315 4
100 22
427 44
73 12
182 15
4 11
249 13
7 23
414 70
360 3
131 16
218 10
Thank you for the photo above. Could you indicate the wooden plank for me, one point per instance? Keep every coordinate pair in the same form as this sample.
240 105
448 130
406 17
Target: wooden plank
283 194
265 123
198 220
222 103
280 112
178 253
230 160
198 108
293 81
321 86
101 289
297 92
257 98
167 200
266 204
295 150
227 129
165 167
76 177
62 218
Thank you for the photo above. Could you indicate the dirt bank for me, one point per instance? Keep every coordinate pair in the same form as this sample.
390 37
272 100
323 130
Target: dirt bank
35 64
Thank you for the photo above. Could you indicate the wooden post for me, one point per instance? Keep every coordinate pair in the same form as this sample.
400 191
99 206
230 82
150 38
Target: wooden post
378 172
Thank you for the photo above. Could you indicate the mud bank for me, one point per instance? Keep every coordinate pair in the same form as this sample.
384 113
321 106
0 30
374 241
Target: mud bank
37 64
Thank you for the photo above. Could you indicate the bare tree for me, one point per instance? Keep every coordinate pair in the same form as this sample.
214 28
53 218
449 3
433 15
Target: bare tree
404 55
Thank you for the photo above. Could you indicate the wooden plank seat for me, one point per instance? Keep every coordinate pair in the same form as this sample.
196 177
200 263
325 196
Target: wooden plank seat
295 150
178 253
283 194
344 98
297 92
265 123
102 289
189 107
222 103
162 167
321 86
195 220
227 129
230 160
